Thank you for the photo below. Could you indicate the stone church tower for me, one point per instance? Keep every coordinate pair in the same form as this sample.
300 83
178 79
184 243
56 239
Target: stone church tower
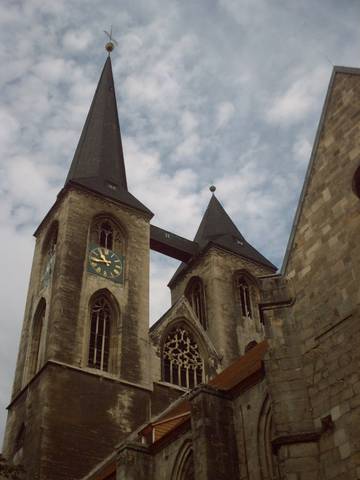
86 317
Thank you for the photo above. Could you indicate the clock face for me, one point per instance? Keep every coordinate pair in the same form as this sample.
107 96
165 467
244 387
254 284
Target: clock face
106 263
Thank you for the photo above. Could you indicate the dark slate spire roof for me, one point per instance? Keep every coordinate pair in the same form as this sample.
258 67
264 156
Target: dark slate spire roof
98 163
216 227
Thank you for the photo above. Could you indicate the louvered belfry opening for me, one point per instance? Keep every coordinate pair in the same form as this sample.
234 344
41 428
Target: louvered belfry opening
99 347
182 362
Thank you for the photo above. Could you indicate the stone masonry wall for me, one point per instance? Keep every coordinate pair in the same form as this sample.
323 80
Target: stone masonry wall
324 267
216 268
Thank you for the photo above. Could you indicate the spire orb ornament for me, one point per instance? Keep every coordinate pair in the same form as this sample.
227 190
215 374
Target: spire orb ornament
109 47
212 188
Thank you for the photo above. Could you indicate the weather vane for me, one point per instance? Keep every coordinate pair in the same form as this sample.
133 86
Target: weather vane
111 43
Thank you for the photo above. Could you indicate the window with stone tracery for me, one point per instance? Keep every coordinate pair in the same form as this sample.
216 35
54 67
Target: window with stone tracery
99 345
244 296
196 296
106 233
182 362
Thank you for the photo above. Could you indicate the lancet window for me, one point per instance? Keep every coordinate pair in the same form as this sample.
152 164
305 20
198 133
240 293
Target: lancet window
49 251
196 296
356 182
19 440
100 324
51 240
106 235
187 470
250 345
37 338
244 296
182 362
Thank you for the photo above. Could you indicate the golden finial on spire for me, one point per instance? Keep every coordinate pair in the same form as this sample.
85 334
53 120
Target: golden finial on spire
109 47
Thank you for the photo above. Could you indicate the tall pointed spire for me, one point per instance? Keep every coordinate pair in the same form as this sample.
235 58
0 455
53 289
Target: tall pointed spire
217 228
98 163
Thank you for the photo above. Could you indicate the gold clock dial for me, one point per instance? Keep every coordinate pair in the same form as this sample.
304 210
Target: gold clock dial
106 263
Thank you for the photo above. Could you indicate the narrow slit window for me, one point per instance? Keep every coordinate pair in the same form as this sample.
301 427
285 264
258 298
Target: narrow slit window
244 294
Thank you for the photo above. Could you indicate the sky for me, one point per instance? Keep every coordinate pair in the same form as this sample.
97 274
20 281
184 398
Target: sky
224 92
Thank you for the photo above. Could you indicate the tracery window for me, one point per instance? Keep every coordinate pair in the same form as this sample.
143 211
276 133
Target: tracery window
105 235
182 362
99 345
244 294
196 296
106 232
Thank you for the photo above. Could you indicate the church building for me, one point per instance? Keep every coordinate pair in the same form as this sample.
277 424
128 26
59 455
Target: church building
252 373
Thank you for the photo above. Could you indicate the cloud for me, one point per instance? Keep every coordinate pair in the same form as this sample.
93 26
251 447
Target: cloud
302 149
225 112
299 99
77 40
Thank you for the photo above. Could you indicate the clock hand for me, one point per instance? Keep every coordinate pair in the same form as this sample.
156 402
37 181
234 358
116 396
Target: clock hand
108 262
99 260
102 256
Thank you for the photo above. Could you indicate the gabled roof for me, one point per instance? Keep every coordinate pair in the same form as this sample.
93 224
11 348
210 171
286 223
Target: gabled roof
216 227
98 163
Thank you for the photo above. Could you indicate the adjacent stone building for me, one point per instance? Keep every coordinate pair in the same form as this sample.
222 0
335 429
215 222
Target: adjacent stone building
251 374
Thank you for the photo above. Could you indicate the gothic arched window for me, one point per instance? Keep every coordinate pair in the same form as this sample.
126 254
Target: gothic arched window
250 345
184 464
37 338
49 250
50 242
19 440
356 182
187 468
244 295
182 362
106 235
100 324
267 458
196 296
